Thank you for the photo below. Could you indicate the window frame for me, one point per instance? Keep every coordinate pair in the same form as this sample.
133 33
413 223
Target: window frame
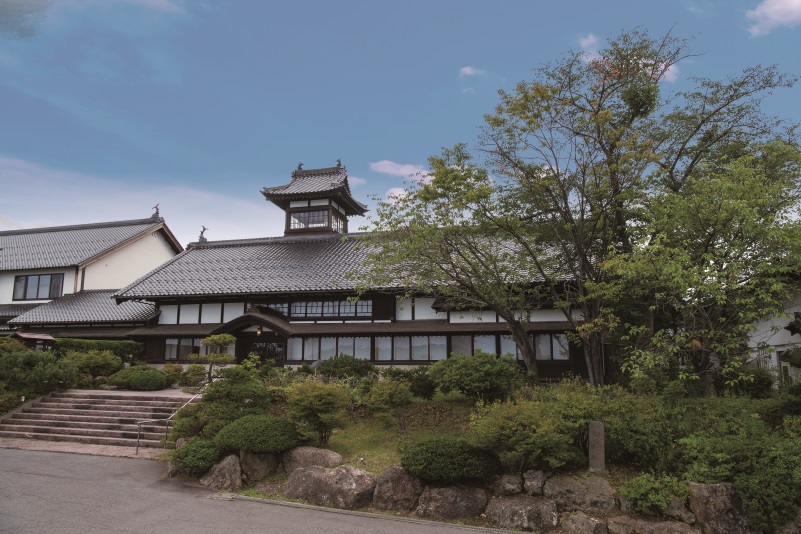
54 291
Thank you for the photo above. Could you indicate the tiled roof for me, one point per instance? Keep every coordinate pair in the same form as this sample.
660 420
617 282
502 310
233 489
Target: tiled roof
12 310
64 246
96 306
256 266
331 181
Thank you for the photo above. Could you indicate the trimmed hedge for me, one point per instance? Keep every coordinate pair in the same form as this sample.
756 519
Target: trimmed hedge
345 366
139 378
95 362
197 457
448 460
126 350
260 434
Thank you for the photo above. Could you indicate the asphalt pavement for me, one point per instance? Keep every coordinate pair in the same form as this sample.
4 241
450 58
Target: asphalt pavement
61 493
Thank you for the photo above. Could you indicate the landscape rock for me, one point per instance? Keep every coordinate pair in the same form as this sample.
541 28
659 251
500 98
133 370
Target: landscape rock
717 508
592 495
523 512
507 485
255 467
581 523
678 511
180 442
308 457
396 489
343 487
629 525
225 475
793 527
452 502
533 482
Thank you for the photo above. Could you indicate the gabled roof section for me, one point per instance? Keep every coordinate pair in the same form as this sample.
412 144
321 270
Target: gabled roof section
88 307
331 182
250 267
78 245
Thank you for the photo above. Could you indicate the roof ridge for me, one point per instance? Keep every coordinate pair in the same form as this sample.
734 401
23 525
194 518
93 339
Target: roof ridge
42 230
314 238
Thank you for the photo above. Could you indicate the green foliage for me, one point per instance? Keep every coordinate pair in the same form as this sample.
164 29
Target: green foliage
391 397
649 491
9 400
448 460
94 362
139 378
125 350
9 344
482 377
345 366
262 434
193 376
318 408
420 382
196 457
34 373
172 372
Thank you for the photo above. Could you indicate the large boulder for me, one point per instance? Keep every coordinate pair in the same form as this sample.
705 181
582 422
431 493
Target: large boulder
581 523
396 489
523 512
592 495
629 525
309 457
452 502
343 487
507 485
677 510
533 482
255 467
717 508
225 475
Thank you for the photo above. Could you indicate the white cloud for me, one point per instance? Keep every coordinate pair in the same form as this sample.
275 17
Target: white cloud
65 197
671 75
468 91
386 166
770 14
355 180
589 47
394 194
471 71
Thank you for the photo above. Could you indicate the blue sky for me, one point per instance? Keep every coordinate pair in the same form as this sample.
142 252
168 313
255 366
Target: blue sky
108 107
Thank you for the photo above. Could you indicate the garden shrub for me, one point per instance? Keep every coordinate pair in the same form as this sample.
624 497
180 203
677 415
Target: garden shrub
193 376
125 350
196 457
653 492
9 344
390 397
260 434
449 460
237 386
94 362
9 400
34 373
172 373
482 377
420 382
345 366
318 408
139 378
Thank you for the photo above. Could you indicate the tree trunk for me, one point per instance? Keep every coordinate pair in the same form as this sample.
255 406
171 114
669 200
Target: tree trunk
525 345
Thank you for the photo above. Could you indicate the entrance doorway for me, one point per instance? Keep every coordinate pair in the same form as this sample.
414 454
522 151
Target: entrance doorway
268 347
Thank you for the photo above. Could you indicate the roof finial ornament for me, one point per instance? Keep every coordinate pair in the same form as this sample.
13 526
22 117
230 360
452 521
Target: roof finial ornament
202 239
339 162
300 166
156 214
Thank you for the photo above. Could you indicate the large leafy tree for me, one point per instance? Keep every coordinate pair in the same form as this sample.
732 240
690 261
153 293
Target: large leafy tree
580 164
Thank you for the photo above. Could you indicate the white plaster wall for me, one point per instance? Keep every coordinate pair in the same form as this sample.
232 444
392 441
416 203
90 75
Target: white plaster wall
169 314
190 314
7 284
125 265
232 310
473 317
423 309
772 331
403 309
210 313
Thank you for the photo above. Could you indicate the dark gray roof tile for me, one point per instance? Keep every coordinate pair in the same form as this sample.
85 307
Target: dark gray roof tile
96 306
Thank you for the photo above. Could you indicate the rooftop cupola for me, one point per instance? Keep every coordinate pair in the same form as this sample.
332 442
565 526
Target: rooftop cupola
316 200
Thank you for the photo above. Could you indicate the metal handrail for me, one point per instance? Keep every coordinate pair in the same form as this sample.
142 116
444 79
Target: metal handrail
167 421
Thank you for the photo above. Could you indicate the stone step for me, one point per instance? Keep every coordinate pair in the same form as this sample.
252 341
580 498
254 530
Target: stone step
100 407
86 432
94 440
98 425
79 418
113 411
112 402
116 396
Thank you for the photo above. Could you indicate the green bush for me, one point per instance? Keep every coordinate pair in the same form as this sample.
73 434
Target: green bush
9 400
172 373
94 362
261 434
9 344
139 378
390 397
317 408
193 376
34 373
420 382
196 457
482 377
125 350
449 460
344 366
654 492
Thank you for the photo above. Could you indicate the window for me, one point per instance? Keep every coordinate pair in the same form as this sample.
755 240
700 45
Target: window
383 348
282 308
551 347
38 286
335 308
308 219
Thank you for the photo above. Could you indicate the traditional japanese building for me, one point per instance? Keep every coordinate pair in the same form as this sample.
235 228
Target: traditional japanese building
293 298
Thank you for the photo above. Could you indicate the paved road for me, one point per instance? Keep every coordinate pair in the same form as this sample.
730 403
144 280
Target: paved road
50 492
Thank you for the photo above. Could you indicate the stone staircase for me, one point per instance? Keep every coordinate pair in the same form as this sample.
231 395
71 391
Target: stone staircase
96 417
